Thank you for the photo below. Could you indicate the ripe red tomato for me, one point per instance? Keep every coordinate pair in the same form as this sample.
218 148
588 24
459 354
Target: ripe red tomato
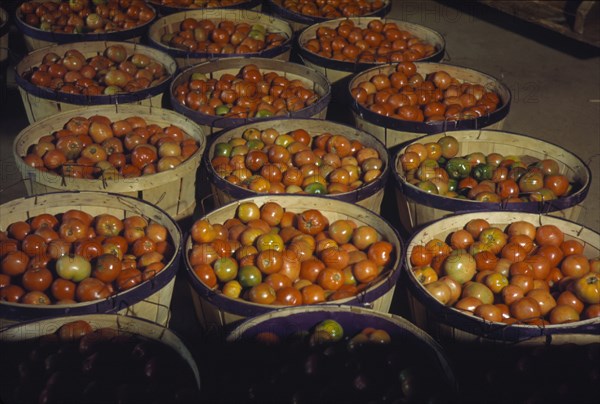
311 222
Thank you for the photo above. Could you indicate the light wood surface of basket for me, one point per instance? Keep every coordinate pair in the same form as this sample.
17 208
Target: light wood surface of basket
292 71
392 137
424 316
122 324
154 307
212 316
415 213
171 24
328 69
315 128
174 190
38 107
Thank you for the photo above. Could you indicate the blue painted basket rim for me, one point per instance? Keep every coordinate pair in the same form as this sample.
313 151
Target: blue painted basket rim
165 10
229 122
357 67
112 304
485 329
359 194
62 38
434 126
465 205
250 309
308 20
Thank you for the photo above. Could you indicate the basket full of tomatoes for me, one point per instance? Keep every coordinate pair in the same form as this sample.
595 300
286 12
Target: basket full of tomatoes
303 13
259 254
69 21
487 170
72 253
505 277
192 37
400 102
335 354
341 47
149 153
69 76
281 156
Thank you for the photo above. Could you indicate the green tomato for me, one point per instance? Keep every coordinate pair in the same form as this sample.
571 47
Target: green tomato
226 269
73 267
249 276
223 149
315 188
222 110
331 327
263 113
483 171
458 168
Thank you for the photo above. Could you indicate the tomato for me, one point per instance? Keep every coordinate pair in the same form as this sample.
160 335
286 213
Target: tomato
226 269
311 222
310 269
128 278
562 314
247 211
330 278
549 235
440 291
461 267
587 288
90 289
108 225
262 293
72 230
290 265
341 231
289 296
544 299
88 249
380 252
494 237
203 232
576 265
364 236
312 294
479 291
461 239
14 263
269 241
37 279
11 293
420 255
73 267
107 267
272 213
365 271
62 289
249 276
35 297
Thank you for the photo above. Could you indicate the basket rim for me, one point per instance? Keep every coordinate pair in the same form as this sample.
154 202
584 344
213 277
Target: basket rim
357 67
453 317
118 301
425 128
461 205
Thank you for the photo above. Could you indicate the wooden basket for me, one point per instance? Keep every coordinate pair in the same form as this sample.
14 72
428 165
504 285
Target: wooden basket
124 324
300 21
36 38
171 23
174 190
368 196
215 69
336 70
41 102
4 30
149 300
298 320
215 311
393 131
417 208
166 10
448 323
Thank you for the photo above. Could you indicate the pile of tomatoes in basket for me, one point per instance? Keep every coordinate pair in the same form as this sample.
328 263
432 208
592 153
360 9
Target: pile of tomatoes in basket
250 93
329 9
76 257
270 255
113 72
405 94
522 274
295 162
379 42
97 147
86 16
436 168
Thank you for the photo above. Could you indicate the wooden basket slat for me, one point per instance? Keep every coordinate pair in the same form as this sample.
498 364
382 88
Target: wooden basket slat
175 189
